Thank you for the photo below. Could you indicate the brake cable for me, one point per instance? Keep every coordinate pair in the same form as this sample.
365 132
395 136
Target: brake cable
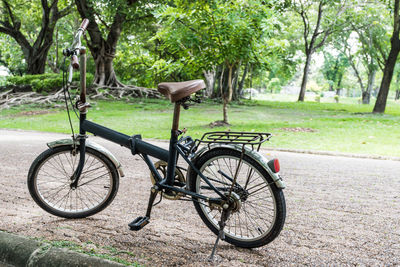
66 91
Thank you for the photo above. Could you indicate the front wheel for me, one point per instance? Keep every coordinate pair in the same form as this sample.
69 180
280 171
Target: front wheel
49 182
260 210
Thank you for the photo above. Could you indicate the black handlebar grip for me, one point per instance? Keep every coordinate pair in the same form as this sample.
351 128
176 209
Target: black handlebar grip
75 62
84 24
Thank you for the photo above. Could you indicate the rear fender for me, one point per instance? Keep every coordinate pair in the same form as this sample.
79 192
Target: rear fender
92 145
249 152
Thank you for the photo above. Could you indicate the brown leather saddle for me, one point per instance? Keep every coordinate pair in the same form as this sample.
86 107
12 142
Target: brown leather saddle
175 91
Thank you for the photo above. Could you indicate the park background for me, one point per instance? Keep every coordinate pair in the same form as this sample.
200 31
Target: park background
319 75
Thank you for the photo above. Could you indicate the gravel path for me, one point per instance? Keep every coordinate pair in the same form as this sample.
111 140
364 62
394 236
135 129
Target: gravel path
340 211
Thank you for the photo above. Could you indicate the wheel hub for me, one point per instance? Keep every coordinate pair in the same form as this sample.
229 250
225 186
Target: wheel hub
235 202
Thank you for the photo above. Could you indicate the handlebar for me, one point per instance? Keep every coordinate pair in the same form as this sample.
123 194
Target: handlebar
84 24
76 45
75 62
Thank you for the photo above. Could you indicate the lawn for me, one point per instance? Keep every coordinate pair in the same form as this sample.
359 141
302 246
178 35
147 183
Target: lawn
344 127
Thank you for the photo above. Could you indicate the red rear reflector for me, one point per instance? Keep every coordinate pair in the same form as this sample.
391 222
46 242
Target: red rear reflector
277 167
273 164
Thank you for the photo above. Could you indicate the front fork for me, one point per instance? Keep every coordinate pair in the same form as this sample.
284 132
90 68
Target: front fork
82 151
82 106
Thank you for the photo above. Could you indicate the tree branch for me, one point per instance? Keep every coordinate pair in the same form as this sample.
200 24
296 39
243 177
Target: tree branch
65 11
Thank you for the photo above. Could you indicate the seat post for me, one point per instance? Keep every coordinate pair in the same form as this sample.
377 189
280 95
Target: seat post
175 121
172 158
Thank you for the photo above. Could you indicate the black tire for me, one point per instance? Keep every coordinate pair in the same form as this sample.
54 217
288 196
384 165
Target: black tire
262 214
49 182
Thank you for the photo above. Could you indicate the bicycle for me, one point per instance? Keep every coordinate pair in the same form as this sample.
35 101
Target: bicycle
236 191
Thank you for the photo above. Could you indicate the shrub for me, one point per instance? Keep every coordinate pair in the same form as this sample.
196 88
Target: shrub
47 82
274 85
36 84
51 84
336 97
313 87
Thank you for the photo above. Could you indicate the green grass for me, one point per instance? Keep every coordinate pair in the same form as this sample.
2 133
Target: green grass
344 127
104 252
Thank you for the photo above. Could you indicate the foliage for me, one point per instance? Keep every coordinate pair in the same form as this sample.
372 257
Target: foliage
274 85
31 24
314 87
205 34
336 97
154 41
334 68
11 56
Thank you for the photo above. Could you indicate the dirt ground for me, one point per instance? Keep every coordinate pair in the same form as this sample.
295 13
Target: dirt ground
340 211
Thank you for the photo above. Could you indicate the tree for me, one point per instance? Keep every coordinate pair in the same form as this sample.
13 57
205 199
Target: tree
18 21
390 62
333 70
213 33
315 34
107 19
366 43
366 55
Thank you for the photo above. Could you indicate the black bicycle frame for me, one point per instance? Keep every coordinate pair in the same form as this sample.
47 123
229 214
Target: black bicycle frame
138 146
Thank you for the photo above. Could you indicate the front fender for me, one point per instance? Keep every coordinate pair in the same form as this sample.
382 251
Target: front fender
249 152
92 145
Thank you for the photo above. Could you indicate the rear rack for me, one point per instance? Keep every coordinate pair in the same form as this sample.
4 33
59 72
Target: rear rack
241 138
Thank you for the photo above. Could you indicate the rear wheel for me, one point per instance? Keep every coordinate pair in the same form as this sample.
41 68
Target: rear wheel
49 182
260 211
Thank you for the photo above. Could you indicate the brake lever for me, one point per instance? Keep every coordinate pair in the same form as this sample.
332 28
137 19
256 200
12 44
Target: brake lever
68 52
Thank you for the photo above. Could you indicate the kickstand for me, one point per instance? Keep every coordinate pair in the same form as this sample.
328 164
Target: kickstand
153 195
221 235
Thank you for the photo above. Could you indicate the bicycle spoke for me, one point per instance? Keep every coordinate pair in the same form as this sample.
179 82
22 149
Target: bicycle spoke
248 223
53 182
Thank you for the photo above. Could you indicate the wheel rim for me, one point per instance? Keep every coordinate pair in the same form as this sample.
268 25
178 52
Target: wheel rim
257 215
52 183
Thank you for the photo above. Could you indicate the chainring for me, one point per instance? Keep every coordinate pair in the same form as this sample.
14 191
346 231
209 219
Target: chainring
161 167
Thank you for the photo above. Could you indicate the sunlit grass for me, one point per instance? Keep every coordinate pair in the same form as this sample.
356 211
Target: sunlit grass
350 127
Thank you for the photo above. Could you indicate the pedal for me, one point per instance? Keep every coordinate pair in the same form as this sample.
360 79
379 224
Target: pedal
139 223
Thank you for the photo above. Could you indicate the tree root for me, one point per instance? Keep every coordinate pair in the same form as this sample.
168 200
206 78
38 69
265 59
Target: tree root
10 98
123 92
218 124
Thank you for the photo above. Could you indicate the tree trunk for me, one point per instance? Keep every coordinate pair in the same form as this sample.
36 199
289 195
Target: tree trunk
225 111
36 61
217 82
305 77
103 49
227 94
366 95
312 45
57 65
251 77
241 83
235 81
209 76
380 103
353 65
397 96
105 74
